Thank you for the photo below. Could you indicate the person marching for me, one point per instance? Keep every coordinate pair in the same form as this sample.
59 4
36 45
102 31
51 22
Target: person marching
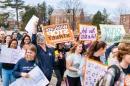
7 68
116 73
26 64
26 40
45 55
60 62
73 62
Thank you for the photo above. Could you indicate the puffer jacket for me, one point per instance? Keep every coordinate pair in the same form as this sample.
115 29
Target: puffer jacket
110 76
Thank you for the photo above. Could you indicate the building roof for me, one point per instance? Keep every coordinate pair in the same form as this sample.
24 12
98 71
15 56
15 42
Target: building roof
125 15
58 12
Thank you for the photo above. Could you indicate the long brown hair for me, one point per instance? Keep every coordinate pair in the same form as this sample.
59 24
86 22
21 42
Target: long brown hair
12 41
96 45
22 42
6 37
72 50
123 49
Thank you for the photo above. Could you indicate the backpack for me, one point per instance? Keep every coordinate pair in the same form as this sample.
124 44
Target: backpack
101 81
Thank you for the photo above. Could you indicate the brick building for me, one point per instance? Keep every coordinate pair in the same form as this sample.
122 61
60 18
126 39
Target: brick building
125 20
66 16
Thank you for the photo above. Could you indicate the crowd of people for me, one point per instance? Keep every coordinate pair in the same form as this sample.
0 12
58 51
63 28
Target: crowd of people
67 60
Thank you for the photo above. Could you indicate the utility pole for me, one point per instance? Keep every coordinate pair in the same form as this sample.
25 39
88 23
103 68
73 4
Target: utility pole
73 24
17 14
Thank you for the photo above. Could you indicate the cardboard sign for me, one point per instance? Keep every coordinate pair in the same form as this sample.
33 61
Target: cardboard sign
87 32
94 71
112 33
58 33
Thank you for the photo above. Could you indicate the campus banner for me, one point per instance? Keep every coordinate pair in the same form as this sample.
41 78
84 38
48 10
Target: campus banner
36 78
94 71
87 32
58 33
9 55
112 33
32 25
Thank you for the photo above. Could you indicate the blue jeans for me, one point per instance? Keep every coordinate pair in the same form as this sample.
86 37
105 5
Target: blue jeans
0 70
7 77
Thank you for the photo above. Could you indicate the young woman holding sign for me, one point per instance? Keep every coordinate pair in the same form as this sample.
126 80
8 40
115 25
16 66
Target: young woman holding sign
96 50
24 65
6 42
7 68
2 37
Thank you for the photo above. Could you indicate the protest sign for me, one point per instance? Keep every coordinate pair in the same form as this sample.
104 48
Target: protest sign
112 33
36 78
87 32
9 55
58 33
94 71
32 25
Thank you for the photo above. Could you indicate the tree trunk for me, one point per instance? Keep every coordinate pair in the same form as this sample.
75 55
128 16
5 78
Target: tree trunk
17 14
73 26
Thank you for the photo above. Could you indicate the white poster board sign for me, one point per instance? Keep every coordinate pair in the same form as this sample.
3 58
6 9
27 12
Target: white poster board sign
36 78
87 32
112 33
9 55
32 25
94 71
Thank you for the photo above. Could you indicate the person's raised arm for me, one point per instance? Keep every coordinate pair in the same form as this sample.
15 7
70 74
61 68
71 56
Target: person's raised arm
34 38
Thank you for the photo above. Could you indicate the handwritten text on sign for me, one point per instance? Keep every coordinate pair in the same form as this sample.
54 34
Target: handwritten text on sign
112 33
58 33
87 32
94 71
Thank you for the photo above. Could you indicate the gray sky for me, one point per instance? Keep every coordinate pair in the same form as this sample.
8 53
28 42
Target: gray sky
91 6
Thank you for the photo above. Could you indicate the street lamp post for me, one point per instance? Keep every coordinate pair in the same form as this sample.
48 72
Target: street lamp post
73 18
73 24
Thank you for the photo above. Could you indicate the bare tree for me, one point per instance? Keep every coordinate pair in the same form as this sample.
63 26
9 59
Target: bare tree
71 6
122 9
